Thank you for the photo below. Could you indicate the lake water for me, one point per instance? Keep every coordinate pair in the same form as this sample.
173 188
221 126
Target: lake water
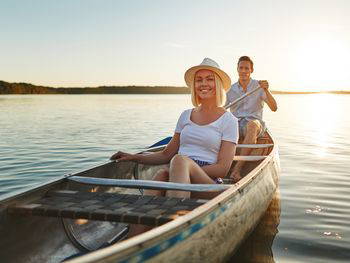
47 136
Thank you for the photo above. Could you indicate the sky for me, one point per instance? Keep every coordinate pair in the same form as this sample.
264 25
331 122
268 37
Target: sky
297 45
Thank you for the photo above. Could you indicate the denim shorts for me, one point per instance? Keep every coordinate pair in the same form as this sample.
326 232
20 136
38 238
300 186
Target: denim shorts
200 163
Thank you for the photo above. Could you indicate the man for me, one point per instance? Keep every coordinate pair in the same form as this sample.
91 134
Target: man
249 110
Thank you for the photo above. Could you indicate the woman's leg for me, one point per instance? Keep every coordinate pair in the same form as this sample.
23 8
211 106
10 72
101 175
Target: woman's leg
161 175
184 170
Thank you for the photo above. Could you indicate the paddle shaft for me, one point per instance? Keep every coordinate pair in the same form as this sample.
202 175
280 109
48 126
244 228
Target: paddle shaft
241 98
166 140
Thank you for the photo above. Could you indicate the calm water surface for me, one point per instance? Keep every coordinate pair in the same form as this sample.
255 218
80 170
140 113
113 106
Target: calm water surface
47 136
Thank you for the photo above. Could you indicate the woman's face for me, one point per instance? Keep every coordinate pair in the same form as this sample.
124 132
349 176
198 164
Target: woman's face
204 84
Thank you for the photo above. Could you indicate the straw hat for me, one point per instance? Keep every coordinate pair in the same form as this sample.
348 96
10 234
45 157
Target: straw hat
210 65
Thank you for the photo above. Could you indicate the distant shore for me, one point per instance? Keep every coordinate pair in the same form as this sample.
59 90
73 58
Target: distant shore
27 88
311 92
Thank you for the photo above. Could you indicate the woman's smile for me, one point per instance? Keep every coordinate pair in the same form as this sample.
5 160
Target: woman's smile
204 83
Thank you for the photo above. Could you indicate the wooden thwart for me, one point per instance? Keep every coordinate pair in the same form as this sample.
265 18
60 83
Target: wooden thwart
249 158
256 146
124 208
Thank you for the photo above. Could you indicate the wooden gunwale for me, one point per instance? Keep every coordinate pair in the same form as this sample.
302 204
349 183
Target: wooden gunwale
153 236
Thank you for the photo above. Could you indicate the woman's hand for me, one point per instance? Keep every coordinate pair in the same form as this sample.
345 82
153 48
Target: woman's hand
161 157
122 156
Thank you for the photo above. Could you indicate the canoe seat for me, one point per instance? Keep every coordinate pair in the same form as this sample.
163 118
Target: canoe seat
123 208
255 146
249 158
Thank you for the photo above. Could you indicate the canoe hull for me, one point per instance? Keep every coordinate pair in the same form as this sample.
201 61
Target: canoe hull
209 233
217 241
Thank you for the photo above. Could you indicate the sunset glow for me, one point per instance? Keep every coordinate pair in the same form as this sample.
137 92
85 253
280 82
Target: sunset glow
320 63
323 113
296 45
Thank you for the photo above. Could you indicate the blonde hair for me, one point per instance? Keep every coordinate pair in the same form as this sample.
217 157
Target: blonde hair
219 90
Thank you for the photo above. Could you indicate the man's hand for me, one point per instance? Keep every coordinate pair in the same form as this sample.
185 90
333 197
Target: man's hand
269 98
264 84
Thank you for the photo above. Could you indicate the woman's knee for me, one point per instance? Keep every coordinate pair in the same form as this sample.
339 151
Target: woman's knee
178 159
179 170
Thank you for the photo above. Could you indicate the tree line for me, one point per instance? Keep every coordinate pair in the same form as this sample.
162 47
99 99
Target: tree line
27 88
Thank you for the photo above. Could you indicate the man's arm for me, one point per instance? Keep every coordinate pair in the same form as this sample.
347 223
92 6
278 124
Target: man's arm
270 100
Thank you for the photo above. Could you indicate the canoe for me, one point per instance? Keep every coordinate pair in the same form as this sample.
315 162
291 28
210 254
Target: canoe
92 209
258 246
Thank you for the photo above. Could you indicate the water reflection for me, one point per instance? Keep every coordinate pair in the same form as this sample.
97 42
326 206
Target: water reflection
46 136
258 246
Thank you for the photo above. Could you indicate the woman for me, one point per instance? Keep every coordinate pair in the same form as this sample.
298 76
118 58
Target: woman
204 143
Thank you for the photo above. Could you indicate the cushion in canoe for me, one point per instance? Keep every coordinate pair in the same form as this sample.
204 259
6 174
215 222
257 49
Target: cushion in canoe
124 208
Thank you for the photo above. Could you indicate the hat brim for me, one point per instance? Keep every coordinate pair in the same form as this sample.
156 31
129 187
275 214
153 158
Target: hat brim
189 76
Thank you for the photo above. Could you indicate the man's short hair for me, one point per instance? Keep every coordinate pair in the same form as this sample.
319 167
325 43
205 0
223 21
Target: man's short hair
246 58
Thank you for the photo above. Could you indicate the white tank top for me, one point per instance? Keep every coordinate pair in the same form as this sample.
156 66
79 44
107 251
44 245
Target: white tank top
203 142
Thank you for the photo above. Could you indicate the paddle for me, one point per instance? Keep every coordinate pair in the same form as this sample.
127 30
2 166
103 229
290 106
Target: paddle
166 140
162 142
241 98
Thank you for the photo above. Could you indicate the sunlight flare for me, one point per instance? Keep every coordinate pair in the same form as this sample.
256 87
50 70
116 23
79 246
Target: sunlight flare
320 63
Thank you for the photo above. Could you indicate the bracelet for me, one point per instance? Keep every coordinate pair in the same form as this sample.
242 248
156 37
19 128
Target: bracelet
218 180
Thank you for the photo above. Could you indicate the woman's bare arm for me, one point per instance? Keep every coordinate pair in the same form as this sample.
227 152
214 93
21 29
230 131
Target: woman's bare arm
225 159
161 157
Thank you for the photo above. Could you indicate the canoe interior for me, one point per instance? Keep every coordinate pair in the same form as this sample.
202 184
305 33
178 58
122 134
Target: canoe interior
42 239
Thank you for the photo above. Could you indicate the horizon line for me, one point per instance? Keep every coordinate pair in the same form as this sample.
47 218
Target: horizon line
165 86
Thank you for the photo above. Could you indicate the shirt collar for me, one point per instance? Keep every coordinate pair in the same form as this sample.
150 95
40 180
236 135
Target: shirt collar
240 87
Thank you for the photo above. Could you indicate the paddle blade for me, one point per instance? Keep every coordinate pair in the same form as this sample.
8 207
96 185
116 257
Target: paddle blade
165 141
